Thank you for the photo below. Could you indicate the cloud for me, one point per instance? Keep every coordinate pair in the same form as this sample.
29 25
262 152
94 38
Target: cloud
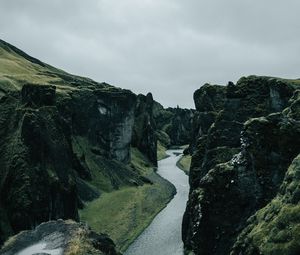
168 47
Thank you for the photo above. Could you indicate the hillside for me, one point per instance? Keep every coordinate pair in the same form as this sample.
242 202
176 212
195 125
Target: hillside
66 149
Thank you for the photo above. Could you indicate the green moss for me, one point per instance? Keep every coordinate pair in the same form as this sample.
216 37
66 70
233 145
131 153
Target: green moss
163 138
184 163
123 214
161 151
17 69
140 162
98 169
275 229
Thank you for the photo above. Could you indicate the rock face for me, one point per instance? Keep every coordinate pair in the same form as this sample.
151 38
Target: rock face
153 123
144 136
247 137
105 116
65 237
62 143
37 177
46 136
173 125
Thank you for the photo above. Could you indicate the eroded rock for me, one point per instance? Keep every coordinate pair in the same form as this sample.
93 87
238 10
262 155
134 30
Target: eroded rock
61 238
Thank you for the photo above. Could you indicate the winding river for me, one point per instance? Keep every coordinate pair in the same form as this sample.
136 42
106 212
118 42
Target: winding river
163 236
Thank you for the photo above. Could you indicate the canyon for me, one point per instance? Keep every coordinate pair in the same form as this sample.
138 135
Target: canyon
78 163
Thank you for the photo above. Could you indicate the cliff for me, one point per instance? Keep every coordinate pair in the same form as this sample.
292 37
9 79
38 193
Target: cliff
173 125
144 130
66 141
242 177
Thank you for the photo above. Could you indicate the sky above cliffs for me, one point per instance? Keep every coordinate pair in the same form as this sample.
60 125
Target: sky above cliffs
168 47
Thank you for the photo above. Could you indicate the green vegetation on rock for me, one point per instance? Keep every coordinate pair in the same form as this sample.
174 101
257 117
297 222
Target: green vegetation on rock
184 163
247 136
71 237
123 214
161 151
66 145
275 229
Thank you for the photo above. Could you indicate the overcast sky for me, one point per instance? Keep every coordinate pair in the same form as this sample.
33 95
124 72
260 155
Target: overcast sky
168 47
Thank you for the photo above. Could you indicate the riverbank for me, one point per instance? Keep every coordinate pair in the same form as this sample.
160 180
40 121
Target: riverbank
124 214
164 232
184 163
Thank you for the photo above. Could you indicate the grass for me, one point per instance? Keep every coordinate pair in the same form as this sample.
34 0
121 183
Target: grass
16 70
100 180
275 229
123 214
80 244
184 163
161 151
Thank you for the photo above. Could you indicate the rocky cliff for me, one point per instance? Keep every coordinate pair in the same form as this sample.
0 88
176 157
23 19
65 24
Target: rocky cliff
65 140
173 125
54 144
144 131
243 197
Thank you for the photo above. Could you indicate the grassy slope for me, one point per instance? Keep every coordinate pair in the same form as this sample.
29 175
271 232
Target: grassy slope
123 214
161 151
184 163
18 68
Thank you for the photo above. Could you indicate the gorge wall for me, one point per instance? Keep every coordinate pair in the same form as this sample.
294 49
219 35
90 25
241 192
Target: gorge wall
66 140
243 178
54 144
173 125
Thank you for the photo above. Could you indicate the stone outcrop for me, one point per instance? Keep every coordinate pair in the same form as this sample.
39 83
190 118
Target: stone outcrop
54 144
248 135
65 237
173 125
66 140
144 131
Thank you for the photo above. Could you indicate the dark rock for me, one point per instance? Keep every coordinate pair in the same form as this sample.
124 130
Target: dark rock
173 125
38 95
46 152
240 160
70 237
144 136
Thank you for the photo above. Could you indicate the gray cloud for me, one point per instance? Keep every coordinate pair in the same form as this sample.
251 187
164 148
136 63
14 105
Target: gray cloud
168 47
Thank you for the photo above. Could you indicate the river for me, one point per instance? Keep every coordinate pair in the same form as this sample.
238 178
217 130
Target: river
163 235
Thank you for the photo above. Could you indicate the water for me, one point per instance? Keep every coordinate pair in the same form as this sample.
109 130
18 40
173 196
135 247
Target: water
40 248
163 236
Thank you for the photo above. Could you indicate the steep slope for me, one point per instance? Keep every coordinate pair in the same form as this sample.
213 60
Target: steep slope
65 141
173 125
144 136
247 136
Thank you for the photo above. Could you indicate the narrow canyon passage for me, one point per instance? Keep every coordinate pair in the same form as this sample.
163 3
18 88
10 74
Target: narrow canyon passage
163 236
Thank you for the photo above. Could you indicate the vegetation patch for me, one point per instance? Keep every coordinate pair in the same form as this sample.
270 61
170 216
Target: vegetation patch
123 214
184 163
161 151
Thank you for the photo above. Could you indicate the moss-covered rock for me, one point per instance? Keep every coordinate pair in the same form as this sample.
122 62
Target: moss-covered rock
65 140
173 125
240 161
144 136
68 237
275 228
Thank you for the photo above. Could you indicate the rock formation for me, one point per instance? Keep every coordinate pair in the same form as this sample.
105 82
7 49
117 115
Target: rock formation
65 237
247 137
65 140
173 125
144 136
